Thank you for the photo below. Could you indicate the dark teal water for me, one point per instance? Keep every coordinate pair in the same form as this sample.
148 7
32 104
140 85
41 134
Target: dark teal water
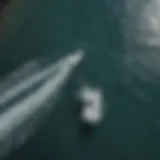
131 127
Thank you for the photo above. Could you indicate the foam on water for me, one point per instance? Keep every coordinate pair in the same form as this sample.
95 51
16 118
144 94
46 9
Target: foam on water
12 122
142 30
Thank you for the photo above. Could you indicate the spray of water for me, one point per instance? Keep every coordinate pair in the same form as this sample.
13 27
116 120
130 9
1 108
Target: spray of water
142 30
22 118
24 79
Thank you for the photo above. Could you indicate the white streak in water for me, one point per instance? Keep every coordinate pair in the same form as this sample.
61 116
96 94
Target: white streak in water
26 108
16 90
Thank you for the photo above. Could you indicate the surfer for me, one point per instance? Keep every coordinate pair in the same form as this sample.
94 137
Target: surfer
91 113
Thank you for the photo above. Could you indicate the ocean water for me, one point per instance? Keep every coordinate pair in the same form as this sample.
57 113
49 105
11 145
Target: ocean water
121 41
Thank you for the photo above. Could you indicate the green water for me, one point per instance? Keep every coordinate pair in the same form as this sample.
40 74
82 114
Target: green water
130 129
